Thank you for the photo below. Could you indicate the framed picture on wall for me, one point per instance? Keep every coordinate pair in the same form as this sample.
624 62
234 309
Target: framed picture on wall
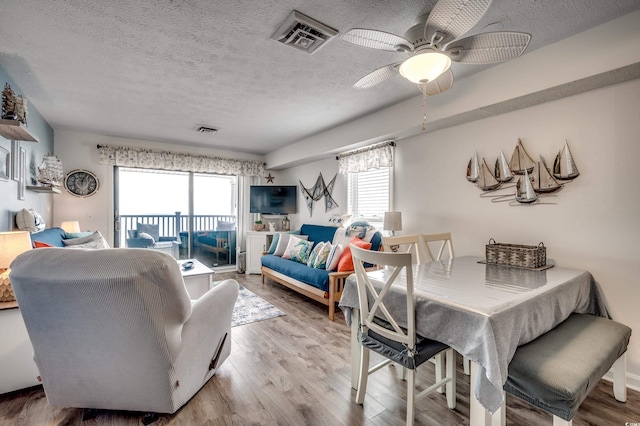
22 183
5 163
15 160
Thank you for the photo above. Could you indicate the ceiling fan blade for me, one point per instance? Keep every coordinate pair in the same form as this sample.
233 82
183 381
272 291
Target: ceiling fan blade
378 76
451 19
488 47
439 85
378 40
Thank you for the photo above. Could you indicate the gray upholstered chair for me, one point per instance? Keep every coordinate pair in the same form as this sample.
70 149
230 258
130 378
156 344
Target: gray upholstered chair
115 329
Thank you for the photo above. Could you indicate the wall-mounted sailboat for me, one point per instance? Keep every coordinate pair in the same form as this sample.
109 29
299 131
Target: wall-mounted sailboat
501 171
564 167
543 181
524 190
520 160
486 180
473 169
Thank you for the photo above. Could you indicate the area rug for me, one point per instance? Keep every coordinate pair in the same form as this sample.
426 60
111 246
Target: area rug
252 308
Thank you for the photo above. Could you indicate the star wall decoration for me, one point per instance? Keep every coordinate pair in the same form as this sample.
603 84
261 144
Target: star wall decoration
269 178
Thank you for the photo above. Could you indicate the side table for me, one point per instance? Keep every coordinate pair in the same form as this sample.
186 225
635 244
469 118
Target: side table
17 368
197 279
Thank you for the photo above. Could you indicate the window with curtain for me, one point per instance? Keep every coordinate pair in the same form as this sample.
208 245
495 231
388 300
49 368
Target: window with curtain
369 172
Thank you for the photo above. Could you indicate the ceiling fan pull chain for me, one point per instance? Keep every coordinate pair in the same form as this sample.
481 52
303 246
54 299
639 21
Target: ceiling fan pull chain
423 88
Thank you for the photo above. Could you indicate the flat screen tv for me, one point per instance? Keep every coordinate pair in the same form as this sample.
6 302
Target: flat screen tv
273 199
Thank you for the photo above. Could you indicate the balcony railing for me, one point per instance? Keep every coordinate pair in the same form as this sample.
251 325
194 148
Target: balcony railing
171 225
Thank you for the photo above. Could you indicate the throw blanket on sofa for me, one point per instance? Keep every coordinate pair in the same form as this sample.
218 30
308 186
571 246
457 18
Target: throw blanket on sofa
341 237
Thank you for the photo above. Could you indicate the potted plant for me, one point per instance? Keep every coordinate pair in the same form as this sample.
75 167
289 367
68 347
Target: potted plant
258 225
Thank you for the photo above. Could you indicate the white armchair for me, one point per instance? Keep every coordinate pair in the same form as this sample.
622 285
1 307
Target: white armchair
115 329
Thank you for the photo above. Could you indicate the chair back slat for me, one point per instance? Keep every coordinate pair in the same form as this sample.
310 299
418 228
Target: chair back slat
444 238
372 302
405 244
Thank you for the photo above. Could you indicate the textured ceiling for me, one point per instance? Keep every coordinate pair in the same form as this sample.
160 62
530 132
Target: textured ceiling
158 69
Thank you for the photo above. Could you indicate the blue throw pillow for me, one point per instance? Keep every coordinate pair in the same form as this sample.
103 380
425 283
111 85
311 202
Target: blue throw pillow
274 244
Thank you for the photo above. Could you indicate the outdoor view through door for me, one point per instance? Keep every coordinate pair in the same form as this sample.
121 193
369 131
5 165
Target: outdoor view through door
153 211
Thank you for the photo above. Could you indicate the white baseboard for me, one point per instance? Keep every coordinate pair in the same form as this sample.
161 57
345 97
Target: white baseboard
633 380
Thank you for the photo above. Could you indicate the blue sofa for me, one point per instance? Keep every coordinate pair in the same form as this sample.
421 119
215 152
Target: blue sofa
53 236
318 284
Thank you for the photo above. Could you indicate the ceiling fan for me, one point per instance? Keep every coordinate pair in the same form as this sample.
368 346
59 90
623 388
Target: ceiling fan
434 42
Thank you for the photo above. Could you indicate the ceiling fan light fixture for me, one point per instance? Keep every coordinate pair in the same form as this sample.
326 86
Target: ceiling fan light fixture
425 66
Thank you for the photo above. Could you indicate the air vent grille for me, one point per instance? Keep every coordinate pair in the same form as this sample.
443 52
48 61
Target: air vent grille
303 33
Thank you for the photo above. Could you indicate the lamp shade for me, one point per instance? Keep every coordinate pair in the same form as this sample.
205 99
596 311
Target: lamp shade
70 226
11 245
425 66
392 221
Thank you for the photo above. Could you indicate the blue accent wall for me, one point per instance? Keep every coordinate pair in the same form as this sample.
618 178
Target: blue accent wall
42 203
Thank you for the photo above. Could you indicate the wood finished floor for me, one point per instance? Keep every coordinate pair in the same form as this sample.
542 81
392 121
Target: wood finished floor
294 370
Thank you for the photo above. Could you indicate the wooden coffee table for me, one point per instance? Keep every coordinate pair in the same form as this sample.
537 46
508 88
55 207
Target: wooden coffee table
197 279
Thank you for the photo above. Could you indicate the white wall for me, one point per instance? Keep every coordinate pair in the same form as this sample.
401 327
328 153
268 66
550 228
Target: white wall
595 224
78 150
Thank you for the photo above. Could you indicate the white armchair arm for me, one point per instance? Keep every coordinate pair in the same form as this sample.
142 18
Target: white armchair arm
208 327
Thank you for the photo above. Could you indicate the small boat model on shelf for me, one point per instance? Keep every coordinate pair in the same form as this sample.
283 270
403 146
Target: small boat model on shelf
543 181
564 167
521 161
501 171
486 180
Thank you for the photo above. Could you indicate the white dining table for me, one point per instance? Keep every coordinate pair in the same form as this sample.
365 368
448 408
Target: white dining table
484 312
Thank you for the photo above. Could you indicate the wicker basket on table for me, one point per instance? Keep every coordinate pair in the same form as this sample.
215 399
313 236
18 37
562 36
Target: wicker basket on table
522 256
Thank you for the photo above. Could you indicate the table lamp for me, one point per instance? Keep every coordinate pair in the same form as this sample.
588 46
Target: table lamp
392 222
11 245
70 226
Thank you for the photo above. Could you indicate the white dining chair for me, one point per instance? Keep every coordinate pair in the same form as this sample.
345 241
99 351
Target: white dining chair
404 244
441 241
413 244
389 336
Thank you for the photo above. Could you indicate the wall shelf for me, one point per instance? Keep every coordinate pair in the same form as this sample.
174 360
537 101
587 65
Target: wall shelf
44 189
15 130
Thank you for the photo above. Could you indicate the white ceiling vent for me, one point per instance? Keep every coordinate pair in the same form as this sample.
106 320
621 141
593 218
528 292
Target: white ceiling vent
303 33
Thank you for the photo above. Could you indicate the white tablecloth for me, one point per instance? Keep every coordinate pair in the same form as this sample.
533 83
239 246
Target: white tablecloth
486 311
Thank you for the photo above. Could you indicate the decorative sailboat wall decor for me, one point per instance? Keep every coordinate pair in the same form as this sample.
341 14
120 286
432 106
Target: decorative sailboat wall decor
536 178
564 167
486 180
543 181
520 160
524 190
473 169
502 172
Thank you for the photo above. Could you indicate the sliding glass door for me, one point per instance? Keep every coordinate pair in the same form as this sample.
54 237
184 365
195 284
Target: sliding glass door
188 215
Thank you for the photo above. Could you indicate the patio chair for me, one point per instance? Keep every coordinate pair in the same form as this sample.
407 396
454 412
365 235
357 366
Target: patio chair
148 236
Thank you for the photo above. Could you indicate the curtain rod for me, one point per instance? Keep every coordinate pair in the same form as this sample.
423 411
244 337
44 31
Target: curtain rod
366 148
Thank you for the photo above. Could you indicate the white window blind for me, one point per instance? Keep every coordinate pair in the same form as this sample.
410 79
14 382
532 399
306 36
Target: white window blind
369 195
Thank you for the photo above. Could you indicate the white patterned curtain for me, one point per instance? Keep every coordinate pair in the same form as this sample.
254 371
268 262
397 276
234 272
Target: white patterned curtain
371 157
165 160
